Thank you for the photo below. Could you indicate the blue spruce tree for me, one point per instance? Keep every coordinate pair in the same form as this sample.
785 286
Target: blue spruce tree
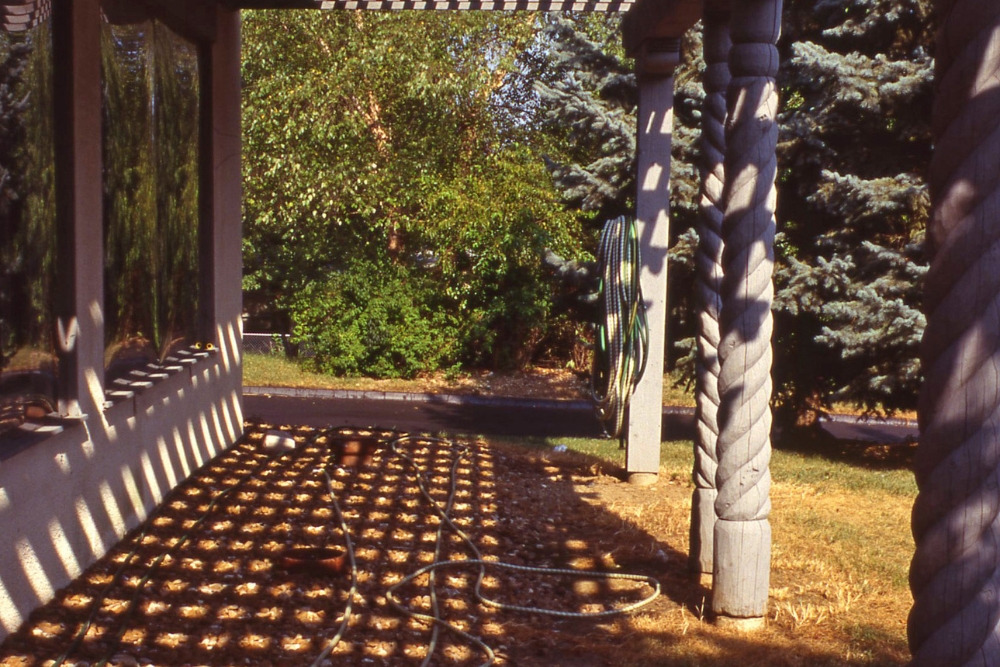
856 90
588 104
852 206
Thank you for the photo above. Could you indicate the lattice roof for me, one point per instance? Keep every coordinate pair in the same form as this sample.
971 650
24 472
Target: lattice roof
21 15
495 5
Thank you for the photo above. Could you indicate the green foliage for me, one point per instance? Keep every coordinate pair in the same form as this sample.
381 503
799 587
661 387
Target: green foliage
862 303
855 137
150 106
369 319
413 144
27 192
588 94
489 232
395 145
12 133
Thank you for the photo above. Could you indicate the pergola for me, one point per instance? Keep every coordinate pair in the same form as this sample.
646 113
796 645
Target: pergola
106 463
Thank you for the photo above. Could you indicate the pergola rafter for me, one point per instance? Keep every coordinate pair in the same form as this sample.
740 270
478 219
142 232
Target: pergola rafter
442 5
21 15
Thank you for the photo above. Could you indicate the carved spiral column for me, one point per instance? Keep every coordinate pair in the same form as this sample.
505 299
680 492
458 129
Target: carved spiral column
708 285
955 573
742 531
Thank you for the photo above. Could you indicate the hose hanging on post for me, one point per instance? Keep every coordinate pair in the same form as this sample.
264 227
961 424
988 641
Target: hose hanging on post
622 339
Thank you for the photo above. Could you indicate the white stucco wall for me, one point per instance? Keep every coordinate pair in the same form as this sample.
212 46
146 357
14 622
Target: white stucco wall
66 500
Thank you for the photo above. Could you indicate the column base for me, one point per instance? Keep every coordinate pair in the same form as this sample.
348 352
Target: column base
742 568
702 529
642 478
743 625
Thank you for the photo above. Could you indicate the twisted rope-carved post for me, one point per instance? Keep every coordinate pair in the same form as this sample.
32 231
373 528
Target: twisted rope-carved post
708 284
955 573
742 532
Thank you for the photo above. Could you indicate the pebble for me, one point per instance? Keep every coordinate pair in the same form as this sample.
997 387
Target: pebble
124 660
278 441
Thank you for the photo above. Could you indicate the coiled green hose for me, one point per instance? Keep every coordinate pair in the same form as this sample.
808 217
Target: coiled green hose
622 340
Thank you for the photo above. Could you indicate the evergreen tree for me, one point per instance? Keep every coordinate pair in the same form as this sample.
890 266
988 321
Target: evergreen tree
589 95
856 89
855 93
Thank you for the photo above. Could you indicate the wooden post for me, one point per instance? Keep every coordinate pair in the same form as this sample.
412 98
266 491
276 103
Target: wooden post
955 573
708 284
79 296
742 535
222 256
656 65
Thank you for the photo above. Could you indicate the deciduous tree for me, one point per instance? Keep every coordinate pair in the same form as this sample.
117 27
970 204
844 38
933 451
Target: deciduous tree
397 146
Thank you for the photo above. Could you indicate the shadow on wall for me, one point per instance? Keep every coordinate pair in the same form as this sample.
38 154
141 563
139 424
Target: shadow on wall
67 499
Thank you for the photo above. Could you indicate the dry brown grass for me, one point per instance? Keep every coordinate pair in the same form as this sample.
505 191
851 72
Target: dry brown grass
841 548
555 383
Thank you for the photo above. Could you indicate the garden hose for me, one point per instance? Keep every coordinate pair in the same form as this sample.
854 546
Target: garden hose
480 564
460 454
622 337
349 544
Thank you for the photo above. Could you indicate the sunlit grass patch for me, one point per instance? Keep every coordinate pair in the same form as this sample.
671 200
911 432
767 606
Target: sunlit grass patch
272 370
841 549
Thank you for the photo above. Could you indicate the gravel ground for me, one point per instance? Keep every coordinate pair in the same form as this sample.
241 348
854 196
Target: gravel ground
203 581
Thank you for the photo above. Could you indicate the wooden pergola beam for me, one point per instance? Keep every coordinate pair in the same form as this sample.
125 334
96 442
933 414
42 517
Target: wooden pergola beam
658 19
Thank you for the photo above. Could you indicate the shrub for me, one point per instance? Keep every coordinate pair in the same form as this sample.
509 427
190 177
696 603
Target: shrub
371 320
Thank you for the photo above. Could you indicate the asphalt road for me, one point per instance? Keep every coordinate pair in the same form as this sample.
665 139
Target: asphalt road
474 415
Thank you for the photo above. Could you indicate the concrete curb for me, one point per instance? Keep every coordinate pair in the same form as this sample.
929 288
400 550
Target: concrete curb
406 397
506 402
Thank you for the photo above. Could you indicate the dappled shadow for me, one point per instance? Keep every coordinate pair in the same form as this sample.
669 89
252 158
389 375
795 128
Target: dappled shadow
206 577
222 596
